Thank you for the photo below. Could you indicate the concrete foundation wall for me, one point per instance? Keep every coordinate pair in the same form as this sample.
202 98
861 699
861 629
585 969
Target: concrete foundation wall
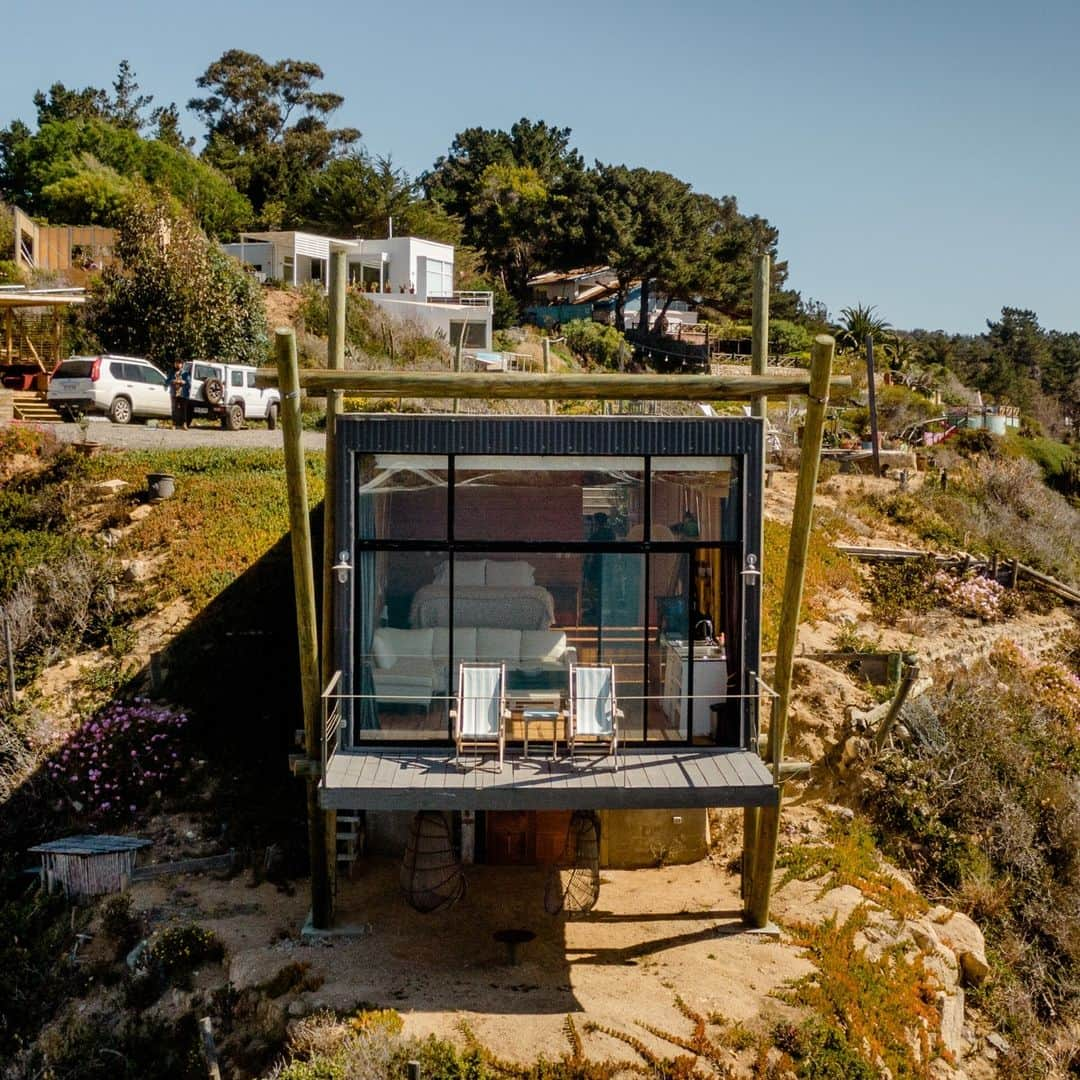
636 838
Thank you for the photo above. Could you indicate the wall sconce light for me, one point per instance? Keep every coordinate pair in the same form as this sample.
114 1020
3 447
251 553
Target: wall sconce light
342 567
751 574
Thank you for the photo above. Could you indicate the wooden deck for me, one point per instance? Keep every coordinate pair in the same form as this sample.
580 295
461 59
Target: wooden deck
647 779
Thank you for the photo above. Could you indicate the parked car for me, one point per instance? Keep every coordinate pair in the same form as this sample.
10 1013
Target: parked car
228 391
125 388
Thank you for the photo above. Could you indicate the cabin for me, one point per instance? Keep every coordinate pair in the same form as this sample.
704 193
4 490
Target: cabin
543 545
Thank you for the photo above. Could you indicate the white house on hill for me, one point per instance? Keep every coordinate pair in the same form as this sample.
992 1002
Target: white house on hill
411 278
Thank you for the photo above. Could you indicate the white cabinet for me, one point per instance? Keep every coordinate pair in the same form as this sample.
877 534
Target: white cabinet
710 685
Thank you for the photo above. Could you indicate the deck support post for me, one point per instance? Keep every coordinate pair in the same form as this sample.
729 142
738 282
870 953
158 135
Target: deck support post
338 274
768 831
306 625
759 353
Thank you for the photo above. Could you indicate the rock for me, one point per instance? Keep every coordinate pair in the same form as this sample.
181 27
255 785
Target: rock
951 1007
998 1042
139 512
138 570
111 486
856 748
111 537
960 934
844 812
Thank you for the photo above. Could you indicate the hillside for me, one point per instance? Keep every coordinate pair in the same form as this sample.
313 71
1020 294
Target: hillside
971 809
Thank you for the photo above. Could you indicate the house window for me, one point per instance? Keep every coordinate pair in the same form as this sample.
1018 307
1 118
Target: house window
471 335
440 278
536 562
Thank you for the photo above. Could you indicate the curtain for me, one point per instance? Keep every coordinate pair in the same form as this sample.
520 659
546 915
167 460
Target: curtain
367 613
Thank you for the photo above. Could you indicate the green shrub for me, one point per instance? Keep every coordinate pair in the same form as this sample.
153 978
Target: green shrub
983 807
902 588
179 950
120 923
597 343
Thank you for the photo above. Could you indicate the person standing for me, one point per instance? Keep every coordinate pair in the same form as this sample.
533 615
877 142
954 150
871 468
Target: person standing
181 392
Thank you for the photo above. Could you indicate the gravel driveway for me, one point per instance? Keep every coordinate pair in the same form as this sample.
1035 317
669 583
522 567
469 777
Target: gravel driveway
166 437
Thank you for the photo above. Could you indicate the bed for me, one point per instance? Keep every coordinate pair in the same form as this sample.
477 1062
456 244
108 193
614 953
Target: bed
495 593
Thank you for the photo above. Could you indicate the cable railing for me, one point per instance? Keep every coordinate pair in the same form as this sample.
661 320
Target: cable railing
338 709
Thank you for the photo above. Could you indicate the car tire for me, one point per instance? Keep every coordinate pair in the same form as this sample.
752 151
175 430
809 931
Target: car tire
213 391
233 418
120 411
272 416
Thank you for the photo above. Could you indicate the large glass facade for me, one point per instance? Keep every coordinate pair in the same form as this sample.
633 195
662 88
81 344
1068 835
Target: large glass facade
539 563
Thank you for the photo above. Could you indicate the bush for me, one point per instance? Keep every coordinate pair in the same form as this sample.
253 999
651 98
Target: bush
984 805
901 588
180 950
123 755
597 343
186 299
120 923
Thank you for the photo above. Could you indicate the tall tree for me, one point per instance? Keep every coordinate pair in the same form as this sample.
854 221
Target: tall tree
859 321
354 195
520 195
267 127
176 293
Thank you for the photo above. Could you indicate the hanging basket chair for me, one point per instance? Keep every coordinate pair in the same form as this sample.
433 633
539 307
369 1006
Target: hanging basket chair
573 883
432 877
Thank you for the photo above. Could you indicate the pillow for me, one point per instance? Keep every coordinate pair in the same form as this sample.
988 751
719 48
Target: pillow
510 573
497 646
468 573
395 643
382 651
545 646
464 644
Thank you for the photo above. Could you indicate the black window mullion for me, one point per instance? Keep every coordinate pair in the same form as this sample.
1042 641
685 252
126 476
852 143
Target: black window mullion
646 513
451 480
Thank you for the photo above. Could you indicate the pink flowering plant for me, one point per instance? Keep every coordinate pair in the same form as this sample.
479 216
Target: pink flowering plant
971 595
127 752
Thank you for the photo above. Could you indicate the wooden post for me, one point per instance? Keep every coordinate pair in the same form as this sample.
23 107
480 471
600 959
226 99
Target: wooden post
759 345
547 371
911 673
759 358
769 819
1014 573
457 371
206 1032
872 400
339 275
304 592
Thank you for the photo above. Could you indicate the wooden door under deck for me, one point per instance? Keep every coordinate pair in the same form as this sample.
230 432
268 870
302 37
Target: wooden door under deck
525 837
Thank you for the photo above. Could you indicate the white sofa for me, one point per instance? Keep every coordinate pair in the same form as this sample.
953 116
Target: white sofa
411 666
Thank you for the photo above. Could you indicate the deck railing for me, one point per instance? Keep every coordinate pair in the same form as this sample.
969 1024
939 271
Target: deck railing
467 298
334 716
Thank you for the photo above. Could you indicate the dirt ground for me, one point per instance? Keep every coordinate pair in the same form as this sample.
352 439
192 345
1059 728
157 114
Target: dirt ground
654 934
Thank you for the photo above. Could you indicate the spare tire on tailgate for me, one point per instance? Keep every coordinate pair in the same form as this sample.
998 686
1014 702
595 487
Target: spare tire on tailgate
213 391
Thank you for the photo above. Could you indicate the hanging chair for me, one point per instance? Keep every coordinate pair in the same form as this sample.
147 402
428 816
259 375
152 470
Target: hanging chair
431 874
573 883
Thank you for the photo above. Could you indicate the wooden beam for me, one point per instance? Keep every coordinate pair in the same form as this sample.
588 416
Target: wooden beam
497 385
304 592
338 274
802 519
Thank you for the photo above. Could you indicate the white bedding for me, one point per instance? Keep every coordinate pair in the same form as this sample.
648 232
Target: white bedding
517 607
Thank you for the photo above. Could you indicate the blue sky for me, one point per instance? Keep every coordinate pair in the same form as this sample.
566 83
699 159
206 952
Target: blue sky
922 157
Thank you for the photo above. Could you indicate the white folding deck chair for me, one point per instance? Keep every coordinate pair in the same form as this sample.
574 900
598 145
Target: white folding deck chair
594 712
481 713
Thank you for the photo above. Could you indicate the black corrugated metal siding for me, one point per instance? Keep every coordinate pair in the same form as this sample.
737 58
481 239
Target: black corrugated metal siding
599 435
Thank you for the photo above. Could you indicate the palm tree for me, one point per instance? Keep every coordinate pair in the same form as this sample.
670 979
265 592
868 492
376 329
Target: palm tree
859 321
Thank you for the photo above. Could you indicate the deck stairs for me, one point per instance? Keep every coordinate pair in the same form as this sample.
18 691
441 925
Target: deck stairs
32 407
349 840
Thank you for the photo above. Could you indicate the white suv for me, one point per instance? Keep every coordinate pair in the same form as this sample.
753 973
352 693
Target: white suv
228 391
123 387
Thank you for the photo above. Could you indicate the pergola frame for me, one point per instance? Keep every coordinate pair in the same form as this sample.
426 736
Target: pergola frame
761 833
